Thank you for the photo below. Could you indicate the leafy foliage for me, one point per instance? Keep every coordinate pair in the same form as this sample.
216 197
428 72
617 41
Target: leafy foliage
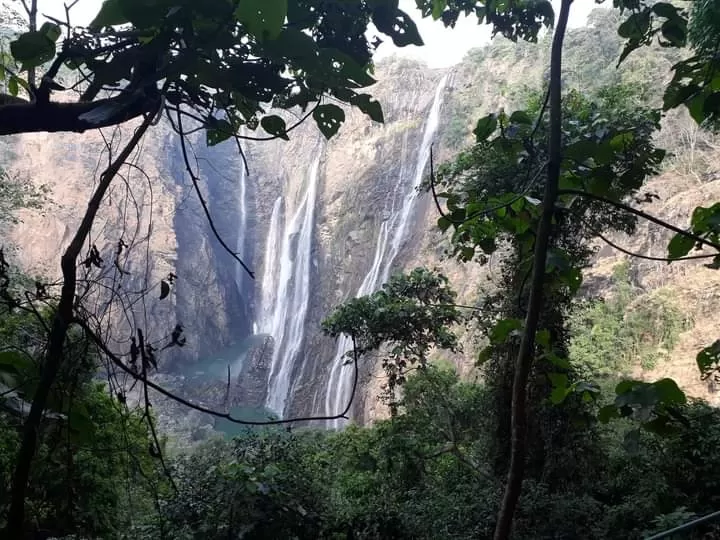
426 474
611 336
222 63
408 316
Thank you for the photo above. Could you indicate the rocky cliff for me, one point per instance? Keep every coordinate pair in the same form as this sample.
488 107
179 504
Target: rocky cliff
306 216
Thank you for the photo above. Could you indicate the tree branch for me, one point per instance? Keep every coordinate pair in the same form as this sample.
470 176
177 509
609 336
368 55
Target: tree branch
644 215
54 117
200 408
523 365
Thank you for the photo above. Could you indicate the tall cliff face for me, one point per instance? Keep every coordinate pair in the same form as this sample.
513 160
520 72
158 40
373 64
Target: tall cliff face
330 201
307 217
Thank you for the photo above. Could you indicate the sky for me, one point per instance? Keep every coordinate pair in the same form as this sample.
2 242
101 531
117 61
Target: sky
443 47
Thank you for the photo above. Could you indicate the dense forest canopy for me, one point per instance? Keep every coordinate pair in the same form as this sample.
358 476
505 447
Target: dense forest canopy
553 439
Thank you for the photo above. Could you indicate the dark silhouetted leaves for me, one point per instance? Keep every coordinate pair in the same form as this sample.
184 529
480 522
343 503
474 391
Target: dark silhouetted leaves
329 118
164 289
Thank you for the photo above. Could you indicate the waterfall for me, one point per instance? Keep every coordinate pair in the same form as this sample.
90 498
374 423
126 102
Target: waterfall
286 289
391 237
242 228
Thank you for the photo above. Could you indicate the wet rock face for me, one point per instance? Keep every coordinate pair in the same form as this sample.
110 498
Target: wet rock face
155 210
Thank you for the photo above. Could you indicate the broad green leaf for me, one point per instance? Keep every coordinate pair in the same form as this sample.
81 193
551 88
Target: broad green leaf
484 355
32 49
51 31
558 379
558 395
13 86
438 7
369 106
263 18
329 118
293 43
521 117
621 140
607 413
444 224
110 14
674 31
557 361
220 131
679 246
542 337
397 24
665 9
485 127
14 362
504 329
669 392
164 289
275 125
635 26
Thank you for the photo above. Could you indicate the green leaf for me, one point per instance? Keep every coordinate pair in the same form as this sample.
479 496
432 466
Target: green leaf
558 379
164 289
485 127
32 49
263 18
329 118
557 361
81 423
542 337
444 224
369 106
397 24
669 392
607 413
14 362
679 246
275 125
220 131
558 395
484 355
13 86
503 329
51 31
664 9
110 14
675 32
438 6
521 117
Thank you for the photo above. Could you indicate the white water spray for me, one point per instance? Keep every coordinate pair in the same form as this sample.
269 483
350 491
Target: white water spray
391 237
286 289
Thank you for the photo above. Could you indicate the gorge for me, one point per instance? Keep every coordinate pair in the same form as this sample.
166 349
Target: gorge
317 221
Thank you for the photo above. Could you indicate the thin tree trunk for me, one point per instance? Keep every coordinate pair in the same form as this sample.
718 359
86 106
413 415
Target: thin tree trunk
56 340
523 364
32 17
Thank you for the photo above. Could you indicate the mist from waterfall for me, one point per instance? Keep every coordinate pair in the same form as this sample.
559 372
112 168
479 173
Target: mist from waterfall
286 288
391 237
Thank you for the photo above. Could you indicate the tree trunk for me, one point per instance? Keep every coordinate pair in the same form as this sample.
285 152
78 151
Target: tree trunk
523 364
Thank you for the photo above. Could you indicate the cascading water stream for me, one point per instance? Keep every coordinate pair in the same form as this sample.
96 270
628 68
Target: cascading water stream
392 235
242 228
286 289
